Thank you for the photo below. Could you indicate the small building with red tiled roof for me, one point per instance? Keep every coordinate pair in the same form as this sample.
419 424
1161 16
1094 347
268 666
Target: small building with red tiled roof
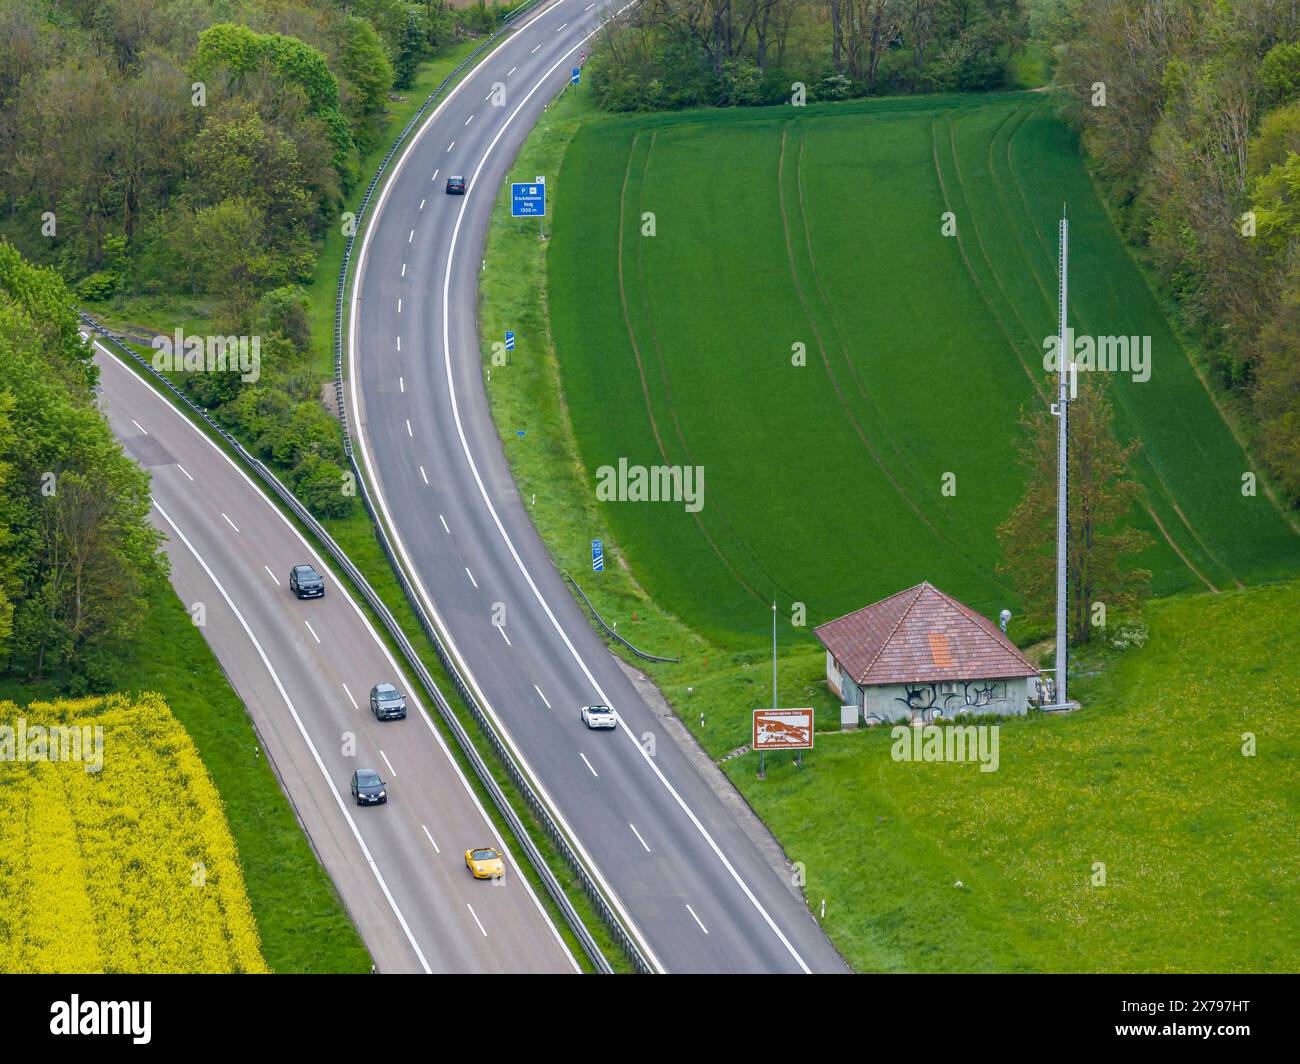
920 655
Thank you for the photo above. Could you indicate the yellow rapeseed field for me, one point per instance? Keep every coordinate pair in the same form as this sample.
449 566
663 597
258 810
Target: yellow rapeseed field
131 868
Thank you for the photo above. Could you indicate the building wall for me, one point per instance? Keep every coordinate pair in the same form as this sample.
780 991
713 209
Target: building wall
895 702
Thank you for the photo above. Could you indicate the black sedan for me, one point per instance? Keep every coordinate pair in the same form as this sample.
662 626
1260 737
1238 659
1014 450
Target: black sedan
368 788
387 703
306 582
455 186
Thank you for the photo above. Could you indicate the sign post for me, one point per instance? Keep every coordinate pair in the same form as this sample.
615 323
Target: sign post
782 729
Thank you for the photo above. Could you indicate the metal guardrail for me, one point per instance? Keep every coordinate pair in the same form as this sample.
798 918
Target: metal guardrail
539 808
408 652
611 632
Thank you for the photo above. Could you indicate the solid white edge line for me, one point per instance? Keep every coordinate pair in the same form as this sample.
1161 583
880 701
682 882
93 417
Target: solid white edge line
302 730
397 669
422 591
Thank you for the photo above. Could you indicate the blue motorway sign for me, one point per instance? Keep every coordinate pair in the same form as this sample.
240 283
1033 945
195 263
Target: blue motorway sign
597 556
527 199
510 340
576 76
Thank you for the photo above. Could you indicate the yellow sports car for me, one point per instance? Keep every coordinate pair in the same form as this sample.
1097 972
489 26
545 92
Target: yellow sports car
485 863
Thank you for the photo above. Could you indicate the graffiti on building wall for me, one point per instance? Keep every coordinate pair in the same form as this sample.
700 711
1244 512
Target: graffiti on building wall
924 698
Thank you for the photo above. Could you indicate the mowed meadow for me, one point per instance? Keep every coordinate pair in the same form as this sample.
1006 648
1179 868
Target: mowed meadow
821 227
131 868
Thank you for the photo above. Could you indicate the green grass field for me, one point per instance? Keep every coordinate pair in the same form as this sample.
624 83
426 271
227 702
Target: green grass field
1150 780
823 227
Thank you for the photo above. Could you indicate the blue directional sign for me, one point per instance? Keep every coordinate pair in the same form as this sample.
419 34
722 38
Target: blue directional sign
510 340
597 556
527 199
576 76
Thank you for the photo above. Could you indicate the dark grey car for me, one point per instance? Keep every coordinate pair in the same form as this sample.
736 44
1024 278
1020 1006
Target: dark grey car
306 582
368 788
387 703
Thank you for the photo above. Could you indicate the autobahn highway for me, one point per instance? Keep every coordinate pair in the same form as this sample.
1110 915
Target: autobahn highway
689 883
304 670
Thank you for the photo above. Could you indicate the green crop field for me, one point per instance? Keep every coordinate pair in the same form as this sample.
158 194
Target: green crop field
822 227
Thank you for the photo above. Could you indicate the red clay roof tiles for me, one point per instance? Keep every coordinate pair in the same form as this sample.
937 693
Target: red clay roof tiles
921 635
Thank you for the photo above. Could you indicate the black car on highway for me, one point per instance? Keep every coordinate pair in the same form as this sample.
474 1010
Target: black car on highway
387 703
455 186
368 788
306 582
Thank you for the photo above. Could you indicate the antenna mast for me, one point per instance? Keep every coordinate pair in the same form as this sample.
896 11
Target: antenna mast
1062 468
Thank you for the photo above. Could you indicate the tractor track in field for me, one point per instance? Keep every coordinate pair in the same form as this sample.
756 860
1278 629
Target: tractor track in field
640 364
745 548
867 396
826 363
970 270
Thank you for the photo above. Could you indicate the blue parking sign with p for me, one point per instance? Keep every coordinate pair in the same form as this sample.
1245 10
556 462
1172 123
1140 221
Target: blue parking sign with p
527 199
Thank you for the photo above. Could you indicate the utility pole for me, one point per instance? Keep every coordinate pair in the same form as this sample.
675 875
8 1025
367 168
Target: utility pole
761 753
1067 371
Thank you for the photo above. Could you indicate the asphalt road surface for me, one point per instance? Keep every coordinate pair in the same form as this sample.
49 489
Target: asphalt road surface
691 885
304 669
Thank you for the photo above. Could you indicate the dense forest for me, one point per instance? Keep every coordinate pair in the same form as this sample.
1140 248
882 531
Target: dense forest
204 147
683 53
77 553
1190 115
